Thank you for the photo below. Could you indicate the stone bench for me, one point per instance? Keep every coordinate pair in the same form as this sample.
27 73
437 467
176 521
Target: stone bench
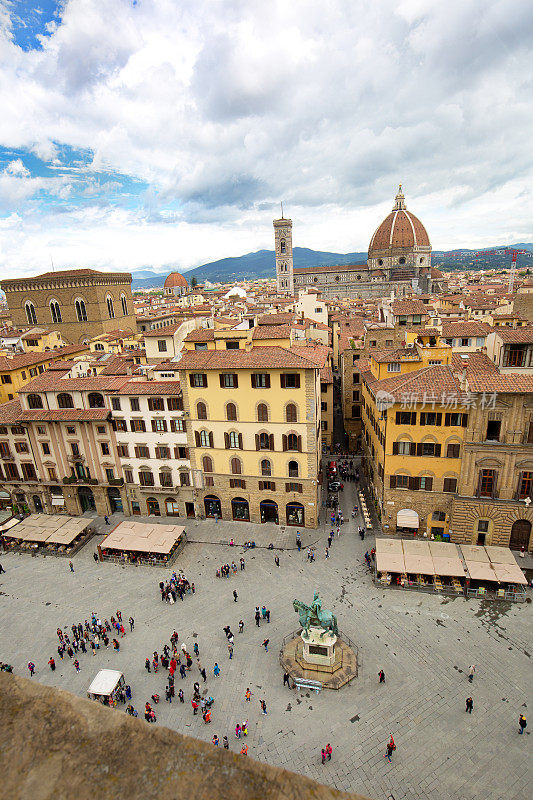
302 683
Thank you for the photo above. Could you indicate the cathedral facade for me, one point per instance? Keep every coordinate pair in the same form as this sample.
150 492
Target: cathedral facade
399 260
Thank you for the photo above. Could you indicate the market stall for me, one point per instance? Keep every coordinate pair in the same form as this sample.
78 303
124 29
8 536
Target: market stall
107 687
142 543
52 534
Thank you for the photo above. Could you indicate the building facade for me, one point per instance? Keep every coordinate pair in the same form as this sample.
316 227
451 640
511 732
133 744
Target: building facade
79 303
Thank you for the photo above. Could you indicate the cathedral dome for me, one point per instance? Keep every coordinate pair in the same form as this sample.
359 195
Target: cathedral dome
400 229
175 279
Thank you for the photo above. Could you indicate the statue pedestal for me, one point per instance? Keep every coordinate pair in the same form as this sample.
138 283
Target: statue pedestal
317 648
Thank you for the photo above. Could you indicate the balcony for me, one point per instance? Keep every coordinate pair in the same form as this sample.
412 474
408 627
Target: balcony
7 456
76 459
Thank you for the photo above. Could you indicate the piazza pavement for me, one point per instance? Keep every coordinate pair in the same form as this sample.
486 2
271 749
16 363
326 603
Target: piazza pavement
425 643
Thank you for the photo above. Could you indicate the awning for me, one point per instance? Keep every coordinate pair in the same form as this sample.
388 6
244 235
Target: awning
9 524
390 562
481 571
389 546
105 682
450 567
407 518
474 552
507 573
412 547
500 555
418 565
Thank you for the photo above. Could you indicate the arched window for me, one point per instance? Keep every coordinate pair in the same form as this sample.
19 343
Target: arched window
236 466
81 311
282 246
233 439
64 400
294 469
31 316
207 464
231 412
264 441
35 401
292 441
266 467
291 413
204 439
262 412
124 304
96 400
55 311
110 307
201 410
99 346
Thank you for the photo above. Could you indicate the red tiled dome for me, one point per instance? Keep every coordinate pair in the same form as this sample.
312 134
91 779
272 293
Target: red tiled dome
175 279
399 229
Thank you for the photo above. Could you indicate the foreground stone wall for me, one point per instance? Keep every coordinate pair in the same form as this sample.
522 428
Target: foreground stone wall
56 745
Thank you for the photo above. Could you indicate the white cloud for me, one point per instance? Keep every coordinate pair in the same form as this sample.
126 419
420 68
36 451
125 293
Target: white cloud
223 109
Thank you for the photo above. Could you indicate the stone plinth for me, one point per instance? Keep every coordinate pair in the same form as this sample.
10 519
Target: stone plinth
319 647
331 676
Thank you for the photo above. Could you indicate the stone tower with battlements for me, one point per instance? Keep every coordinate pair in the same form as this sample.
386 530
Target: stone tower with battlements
283 250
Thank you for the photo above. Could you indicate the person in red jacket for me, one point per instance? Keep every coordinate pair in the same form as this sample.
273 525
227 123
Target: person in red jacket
52 664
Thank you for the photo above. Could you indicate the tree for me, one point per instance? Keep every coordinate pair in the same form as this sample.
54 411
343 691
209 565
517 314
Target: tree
194 282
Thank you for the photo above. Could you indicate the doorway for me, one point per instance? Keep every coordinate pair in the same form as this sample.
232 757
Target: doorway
115 500
212 506
269 511
153 507
38 504
86 497
189 510
520 534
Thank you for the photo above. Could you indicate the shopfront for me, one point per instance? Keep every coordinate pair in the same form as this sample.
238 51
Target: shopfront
212 506
295 514
240 509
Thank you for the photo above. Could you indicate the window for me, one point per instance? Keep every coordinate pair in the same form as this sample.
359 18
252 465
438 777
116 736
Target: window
355 377
111 314
430 418
324 424
165 478
65 400
236 466
266 468
137 426
267 485
52 475
21 447
205 439
231 412
388 342
282 246
402 320
81 311
355 396
198 380
128 475
294 469
55 311
200 346
109 474
323 407
264 441
28 472
156 404
115 403
425 483
456 419
123 450
233 440
96 400
124 304
417 319
483 526
181 452
356 357
402 449
201 410
292 442
291 414
394 366
5 452
207 464
161 345
134 404
185 479
487 483
209 480
428 449
12 473
100 428
525 485
162 451
439 516
142 451
480 341
120 425
493 430
105 448
290 380
228 380
465 342
261 380
35 401
232 345
45 447
453 451
402 481
294 487
31 316
41 430
146 478
356 412
434 362
174 403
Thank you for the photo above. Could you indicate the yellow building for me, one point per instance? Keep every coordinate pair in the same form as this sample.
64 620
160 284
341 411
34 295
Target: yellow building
254 435
38 340
17 371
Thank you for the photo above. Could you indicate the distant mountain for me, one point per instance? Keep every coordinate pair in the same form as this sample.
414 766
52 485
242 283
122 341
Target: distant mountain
261 264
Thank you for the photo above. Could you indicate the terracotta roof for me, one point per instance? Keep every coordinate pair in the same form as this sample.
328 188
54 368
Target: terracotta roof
49 381
473 363
256 358
522 335
428 383
389 356
22 360
272 332
10 412
200 335
167 330
466 328
399 229
317 353
135 387
277 319
65 415
510 382
175 279
409 307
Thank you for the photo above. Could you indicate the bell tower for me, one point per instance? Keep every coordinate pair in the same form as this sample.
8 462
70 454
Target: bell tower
283 251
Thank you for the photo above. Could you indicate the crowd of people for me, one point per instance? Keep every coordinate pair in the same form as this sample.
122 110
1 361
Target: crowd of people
176 586
225 570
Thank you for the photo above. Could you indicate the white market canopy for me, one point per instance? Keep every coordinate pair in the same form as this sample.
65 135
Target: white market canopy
142 537
49 528
105 682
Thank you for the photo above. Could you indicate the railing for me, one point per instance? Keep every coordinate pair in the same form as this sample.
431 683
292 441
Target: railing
297 632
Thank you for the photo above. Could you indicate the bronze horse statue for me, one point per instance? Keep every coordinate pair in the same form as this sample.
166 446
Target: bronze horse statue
314 617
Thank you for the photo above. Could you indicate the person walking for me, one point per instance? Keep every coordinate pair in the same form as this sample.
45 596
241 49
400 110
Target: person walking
522 723
181 696
241 626
52 663
215 740
196 649
31 667
235 595
237 731
216 670
244 750
286 680
248 695
225 743
276 561
388 754
132 623
381 676
265 644
77 664
71 565
469 705
329 751
471 672
194 705
230 650
323 755
326 553
257 616
203 674
268 615
106 520
1 569
263 705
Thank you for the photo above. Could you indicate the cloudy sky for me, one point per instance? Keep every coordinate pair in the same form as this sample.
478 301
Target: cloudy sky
155 133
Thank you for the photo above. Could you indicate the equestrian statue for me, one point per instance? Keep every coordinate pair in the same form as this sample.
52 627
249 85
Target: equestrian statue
314 617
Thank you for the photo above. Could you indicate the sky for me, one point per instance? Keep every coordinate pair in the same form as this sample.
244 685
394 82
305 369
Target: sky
159 134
